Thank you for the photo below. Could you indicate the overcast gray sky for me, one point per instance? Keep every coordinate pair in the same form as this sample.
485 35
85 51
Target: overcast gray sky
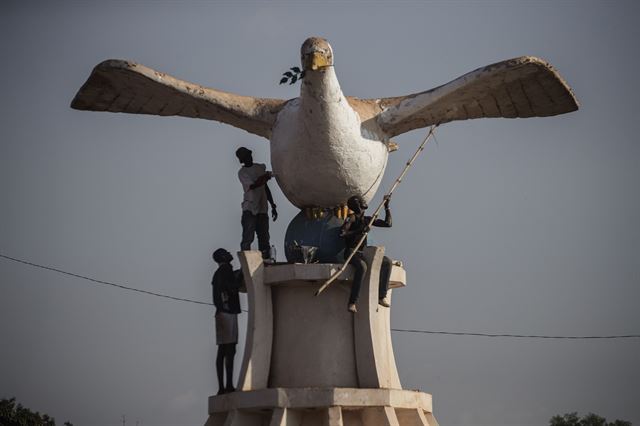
513 226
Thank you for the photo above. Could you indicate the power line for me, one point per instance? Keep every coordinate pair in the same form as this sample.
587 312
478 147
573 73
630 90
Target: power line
523 336
48 268
401 330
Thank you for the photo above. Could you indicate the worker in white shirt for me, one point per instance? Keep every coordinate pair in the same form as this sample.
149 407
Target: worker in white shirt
255 217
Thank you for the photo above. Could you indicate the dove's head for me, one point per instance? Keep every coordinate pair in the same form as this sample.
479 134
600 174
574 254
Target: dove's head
316 54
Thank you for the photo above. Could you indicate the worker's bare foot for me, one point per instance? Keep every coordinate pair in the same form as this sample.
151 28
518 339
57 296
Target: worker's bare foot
352 308
384 302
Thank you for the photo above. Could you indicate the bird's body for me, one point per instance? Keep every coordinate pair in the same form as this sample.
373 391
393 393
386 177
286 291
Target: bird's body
319 151
326 147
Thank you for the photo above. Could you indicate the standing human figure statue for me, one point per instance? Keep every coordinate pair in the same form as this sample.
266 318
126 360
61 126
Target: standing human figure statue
255 218
354 227
225 285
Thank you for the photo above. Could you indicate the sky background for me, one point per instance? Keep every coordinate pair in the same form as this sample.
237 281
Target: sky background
511 226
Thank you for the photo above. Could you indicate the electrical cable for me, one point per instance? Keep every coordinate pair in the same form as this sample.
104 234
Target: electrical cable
48 268
402 330
522 336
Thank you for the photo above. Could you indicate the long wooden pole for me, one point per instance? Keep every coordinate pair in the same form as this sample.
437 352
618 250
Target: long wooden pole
377 212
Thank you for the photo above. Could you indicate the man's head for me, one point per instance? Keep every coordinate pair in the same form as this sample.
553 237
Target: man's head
356 204
222 256
244 155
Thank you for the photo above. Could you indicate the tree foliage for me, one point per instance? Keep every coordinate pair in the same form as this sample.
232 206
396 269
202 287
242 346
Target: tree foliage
13 414
572 419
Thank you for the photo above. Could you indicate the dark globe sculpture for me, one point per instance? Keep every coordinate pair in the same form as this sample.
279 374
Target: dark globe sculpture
323 233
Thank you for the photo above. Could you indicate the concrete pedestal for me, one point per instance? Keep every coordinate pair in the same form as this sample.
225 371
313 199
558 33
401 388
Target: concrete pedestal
308 361
321 407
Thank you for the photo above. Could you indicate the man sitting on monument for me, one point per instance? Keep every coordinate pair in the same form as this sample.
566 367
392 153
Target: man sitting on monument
255 218
226 283
354 227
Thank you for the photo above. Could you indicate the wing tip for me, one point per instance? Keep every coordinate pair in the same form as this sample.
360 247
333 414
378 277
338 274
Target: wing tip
76 104
81 101
80 104
114 63
572 102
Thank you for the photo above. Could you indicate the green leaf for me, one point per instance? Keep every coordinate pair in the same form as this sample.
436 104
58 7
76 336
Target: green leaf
294 79
295 69
284 80
288 74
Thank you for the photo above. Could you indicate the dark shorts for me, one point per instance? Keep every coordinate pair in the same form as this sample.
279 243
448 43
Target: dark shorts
226 328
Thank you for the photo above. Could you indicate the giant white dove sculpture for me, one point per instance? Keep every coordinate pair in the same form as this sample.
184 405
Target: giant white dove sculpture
325 146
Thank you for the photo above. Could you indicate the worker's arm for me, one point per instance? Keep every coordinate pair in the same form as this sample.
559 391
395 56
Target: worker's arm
217 297
274 212
387 222
345 230
238 279
262 180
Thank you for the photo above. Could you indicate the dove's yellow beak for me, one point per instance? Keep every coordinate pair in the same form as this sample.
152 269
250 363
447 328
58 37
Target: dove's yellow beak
317 60
316 54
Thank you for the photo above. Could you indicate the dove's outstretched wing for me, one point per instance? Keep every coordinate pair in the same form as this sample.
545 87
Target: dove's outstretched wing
519 87
123 86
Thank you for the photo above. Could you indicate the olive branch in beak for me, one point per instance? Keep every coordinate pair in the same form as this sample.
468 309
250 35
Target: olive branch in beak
292 76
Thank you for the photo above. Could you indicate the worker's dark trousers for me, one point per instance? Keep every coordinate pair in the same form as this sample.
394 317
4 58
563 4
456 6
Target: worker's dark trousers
361 266
255 224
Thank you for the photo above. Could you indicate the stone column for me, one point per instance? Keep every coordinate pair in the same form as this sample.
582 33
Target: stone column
254 372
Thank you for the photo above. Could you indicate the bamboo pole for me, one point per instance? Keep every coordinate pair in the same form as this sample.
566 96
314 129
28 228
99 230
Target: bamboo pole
377 211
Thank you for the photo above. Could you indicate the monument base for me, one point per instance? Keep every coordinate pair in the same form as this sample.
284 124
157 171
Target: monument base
308 361
321 407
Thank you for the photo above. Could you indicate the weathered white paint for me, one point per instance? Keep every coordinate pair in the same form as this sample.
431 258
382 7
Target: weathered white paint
372 331
283 416
412 417
307 274
322 406
520 87
313 342
318 151
289 329
325 147
379 416
254 372
295 398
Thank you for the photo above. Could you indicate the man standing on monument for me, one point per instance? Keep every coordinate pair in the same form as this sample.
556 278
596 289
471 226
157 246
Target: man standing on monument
225 285
354 227
255 218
